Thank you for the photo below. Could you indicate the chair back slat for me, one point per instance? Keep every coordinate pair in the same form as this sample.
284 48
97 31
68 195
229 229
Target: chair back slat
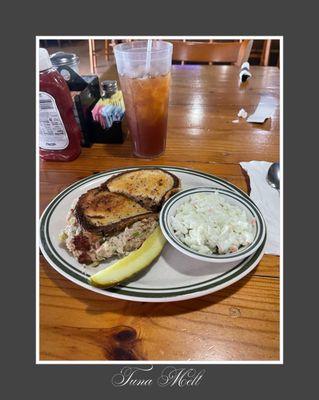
223 52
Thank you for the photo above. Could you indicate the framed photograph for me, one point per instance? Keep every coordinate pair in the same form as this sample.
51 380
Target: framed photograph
159 201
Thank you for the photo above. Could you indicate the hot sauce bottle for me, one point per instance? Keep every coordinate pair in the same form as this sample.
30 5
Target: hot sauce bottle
60 136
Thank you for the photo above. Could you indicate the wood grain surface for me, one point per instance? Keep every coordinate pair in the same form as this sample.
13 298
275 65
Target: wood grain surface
240 322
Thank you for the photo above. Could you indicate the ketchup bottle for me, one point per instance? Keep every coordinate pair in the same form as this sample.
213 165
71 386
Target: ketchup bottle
60 136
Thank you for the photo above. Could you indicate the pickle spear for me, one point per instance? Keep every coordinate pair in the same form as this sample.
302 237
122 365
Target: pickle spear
131 264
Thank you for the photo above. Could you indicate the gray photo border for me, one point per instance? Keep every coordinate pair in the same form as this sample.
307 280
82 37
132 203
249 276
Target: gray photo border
248 381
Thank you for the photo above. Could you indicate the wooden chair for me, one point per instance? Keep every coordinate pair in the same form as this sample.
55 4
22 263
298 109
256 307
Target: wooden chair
92 55
264 59
235 52
108 46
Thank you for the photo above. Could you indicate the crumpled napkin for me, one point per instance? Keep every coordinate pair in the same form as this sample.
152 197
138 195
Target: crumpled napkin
268 201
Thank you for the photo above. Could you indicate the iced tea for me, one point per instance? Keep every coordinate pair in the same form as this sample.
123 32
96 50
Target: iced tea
144 71
146 104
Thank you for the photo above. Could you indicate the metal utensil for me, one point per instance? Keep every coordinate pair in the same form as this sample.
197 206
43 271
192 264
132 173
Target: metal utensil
273 176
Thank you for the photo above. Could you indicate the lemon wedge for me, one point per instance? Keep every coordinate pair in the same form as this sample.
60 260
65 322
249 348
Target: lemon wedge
131 264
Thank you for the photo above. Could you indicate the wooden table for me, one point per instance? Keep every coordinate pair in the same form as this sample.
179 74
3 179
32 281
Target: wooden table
240 322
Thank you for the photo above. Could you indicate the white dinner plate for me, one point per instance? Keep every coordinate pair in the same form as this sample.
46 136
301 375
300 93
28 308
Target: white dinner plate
171 277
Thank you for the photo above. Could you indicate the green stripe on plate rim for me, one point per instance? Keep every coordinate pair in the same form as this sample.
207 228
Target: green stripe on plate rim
53 256
133 294
260 225
49 210
63 264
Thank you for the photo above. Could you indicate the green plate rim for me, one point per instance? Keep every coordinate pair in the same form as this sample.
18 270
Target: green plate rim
123 289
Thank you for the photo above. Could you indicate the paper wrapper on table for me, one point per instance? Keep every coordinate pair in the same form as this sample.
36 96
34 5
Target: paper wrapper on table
264 110
245 74
267 200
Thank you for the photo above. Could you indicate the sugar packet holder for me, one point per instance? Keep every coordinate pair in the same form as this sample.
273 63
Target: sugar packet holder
109 110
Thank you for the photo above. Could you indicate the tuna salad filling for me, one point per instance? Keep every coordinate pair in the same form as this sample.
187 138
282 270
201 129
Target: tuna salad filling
89 248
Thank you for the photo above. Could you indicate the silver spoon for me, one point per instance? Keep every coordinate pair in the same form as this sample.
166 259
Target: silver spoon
273 176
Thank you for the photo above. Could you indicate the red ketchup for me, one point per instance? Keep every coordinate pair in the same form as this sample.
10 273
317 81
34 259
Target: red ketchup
60 137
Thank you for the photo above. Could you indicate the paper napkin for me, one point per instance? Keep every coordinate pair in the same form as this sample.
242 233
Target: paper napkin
268 201
264 110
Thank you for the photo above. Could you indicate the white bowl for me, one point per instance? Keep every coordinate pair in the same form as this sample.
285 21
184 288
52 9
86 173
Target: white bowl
169 209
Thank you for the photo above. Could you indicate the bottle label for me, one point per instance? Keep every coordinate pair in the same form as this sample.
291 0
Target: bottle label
53 135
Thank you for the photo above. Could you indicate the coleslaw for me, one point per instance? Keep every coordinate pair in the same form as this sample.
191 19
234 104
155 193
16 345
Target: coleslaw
209 224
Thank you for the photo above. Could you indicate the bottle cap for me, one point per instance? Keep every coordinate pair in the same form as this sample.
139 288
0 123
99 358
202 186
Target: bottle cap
44 59
109 88
61 58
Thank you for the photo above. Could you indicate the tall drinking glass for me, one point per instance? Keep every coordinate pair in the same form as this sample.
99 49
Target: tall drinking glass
145 82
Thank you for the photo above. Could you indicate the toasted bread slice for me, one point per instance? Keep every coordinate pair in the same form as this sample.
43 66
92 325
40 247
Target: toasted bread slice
149 187
107 213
